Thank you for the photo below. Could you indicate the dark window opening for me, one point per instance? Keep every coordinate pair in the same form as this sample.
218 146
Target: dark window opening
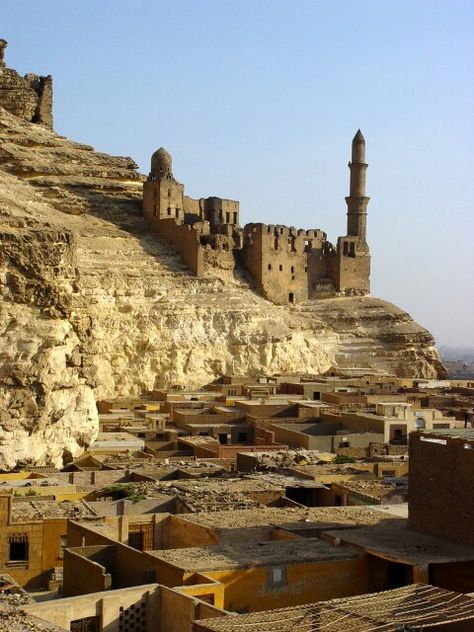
18 548
281 268
141 536
291 297
242 437
227 218
307 496
222 438
235 218
169 210
292 269
398 436
269 266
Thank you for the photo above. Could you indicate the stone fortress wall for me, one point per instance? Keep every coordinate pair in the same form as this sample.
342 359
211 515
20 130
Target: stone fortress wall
29 97
287 265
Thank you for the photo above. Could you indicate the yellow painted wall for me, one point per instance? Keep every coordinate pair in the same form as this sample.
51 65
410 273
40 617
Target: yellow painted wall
52 532
48 490
212 588
250 589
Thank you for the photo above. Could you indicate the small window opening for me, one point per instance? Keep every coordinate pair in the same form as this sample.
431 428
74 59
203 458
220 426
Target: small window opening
235 218
281 268
227 218
291 297
269 266
169 210
292 269
18 548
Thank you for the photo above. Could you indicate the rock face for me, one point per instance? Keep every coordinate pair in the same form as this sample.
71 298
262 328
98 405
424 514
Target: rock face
29 97
94 306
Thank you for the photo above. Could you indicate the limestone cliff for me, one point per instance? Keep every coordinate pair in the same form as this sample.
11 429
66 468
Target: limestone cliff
94 306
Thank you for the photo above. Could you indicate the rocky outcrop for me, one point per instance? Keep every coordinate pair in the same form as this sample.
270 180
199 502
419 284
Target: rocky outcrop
29 97
94 306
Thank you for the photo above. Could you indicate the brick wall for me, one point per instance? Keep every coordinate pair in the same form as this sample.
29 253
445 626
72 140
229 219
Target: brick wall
440 487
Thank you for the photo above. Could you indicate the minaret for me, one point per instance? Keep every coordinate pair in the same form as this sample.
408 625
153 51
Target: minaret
357 200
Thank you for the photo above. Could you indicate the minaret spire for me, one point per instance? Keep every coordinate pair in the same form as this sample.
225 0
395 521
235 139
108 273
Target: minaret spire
357 200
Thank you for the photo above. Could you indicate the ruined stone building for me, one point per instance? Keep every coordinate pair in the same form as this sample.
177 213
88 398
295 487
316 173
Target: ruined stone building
29 97
287 265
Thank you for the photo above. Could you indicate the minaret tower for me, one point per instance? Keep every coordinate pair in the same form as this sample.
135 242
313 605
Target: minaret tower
357 200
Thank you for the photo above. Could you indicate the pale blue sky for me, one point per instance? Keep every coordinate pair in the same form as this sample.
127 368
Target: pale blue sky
258 100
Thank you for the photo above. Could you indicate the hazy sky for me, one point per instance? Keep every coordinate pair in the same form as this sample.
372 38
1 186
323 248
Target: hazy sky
258 100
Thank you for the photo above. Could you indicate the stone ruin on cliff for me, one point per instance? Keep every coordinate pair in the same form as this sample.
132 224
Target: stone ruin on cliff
286 264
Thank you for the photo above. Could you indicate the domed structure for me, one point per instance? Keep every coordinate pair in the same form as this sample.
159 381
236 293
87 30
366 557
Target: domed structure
161 164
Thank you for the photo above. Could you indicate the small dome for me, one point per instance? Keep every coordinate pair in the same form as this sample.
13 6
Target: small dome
161 163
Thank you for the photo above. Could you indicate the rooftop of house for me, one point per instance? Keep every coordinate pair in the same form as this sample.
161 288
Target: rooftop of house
288 517
251 554
392 540
467 434
333 469
387 611
26 510
31 482
12 616
104 438
217 493
376 488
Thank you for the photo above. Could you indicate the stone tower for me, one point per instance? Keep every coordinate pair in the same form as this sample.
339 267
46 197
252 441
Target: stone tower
357 200
163 195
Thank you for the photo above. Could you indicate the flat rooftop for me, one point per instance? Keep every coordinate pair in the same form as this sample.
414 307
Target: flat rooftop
12 616
387 611
392 540
377 488
24 510
462 433
288 517
253 554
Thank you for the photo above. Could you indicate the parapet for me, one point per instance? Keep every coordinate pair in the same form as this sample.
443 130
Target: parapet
29 97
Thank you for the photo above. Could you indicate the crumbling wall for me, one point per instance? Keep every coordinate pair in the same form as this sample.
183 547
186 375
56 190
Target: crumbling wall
219 256
284 262
350 269
29 97
187 241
